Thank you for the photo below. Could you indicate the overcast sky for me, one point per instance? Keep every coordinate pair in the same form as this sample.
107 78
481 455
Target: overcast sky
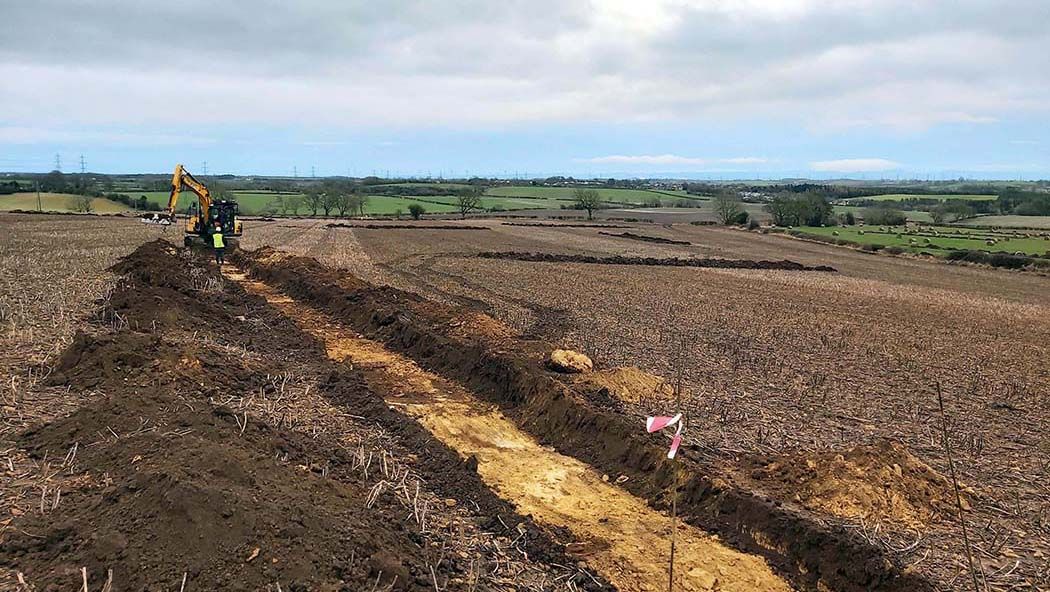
732 88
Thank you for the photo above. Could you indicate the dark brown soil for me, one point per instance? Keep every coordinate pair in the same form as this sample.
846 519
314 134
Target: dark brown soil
784 265
510 373
646 238
168 481
406 226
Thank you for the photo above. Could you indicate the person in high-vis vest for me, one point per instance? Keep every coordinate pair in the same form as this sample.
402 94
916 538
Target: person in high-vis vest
220 246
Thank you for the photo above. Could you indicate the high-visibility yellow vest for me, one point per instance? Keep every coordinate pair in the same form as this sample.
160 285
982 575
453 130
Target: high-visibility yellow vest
216 239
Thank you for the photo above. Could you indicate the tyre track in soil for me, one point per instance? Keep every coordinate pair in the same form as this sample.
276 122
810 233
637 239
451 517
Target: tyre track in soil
620 536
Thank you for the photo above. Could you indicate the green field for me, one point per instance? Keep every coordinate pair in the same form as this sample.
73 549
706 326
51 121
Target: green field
56 202
940 196
1009 221
495 199
251 202
384 205
911 215
566 194
433 184
934 239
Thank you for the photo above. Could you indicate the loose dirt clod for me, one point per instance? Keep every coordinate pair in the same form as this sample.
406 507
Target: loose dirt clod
570 362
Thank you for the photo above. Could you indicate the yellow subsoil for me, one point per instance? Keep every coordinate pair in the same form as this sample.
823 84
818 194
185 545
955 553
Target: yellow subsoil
619 535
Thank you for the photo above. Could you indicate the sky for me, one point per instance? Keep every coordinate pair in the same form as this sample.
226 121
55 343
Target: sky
528 88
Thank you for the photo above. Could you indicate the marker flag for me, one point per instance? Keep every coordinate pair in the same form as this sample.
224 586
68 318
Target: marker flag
675 443
655 424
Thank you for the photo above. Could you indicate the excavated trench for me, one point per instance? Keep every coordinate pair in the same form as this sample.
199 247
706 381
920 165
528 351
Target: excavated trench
620 536
547 449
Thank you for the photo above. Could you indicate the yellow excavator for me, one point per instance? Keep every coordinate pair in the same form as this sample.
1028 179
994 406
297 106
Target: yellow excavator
203 215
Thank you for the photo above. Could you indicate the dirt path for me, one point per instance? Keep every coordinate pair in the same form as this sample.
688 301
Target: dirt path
621 537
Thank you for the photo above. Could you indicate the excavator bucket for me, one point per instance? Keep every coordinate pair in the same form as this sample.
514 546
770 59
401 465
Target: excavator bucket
157 219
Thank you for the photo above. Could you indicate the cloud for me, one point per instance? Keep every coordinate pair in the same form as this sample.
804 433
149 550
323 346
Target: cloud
40 135
854 165
892 64
670 159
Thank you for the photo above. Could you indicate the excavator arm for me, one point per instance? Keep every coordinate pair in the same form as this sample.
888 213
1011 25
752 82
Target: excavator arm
183 179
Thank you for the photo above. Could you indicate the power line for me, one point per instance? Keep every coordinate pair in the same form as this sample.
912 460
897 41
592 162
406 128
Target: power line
58 162
81 164
204 168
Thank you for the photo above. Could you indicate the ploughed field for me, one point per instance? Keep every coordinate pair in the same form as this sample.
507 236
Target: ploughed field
796 381
364 407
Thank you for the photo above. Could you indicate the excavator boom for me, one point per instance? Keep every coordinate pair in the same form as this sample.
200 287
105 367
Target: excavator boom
182 178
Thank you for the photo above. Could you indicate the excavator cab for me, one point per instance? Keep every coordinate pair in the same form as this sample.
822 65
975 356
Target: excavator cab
223 211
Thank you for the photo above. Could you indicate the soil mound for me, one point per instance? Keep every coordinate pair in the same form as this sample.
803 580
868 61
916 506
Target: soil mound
626 384
882 481
646 238
471 324
167 480
784 265
192 493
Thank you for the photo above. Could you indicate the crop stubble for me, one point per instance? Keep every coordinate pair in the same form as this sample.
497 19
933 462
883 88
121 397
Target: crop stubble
790 366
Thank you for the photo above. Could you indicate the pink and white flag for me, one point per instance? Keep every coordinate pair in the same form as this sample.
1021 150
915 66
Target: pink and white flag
655 424
659 422
675 443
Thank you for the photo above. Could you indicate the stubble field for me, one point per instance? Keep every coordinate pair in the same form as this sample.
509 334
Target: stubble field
782 368
817 390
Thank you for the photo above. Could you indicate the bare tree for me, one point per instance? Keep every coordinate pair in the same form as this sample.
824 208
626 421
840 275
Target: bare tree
329 200
587 199
344 202
361 201
313 200
727 206
82 203
469 201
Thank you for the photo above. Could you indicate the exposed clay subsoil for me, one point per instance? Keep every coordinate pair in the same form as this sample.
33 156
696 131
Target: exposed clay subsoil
406 226
784 265
619 535
646 238
510 373
613 387
162 481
